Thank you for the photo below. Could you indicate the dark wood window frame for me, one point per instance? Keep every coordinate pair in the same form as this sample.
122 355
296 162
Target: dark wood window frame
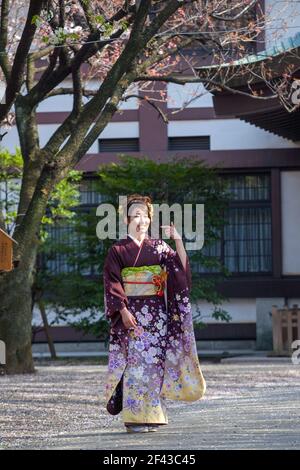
119 145
268 203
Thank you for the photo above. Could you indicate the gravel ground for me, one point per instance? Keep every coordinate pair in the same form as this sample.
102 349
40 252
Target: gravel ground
251 405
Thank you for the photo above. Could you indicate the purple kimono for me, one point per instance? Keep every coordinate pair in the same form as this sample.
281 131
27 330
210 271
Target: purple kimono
158 359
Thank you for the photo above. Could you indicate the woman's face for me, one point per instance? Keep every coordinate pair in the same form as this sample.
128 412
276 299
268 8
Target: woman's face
139 219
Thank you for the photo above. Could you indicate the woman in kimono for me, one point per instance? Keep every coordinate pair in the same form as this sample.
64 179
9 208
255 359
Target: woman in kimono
152 347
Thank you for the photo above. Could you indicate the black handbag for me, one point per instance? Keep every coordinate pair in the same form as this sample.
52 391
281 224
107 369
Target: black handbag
115 404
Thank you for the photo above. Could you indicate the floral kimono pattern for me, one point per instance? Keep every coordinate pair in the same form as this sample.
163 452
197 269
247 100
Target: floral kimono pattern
158 359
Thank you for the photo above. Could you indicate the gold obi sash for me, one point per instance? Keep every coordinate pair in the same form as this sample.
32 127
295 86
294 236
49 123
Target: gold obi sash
144 280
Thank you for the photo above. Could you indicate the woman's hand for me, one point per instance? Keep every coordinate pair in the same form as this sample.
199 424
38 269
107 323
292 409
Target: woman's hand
171 231
128 319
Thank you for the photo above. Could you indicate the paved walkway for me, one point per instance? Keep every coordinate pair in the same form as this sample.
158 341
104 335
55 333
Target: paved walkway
248 405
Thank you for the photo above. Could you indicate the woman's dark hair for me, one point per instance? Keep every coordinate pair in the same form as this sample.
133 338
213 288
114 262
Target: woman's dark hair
139 199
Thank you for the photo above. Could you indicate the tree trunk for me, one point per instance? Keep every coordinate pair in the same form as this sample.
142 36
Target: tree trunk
42 171
16 320
16 286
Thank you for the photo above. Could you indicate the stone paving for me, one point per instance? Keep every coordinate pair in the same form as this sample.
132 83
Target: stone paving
248 405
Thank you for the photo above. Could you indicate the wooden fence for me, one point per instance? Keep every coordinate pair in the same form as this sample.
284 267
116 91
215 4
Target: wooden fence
286 328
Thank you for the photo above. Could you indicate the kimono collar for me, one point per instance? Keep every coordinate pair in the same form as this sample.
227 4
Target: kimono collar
138 242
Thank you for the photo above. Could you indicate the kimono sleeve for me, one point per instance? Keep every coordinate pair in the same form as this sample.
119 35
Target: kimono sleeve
171 260
115 298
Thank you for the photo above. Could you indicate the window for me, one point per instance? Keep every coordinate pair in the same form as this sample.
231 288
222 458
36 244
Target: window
245 246
247 240
119 145
63 239
89 193
67 249
189 143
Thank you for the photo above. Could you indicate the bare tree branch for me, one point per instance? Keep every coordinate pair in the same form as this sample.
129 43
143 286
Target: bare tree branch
19 64
95 106
208 81
151 103
104 118
220 16
77 96
3 39
89 16
69 91
164 15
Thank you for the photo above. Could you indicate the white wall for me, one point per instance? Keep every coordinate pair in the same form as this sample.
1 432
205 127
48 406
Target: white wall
11 140
52 317
2 90
229 134
290 207
240 310
190 95
225 134
65 102
117 130
112 130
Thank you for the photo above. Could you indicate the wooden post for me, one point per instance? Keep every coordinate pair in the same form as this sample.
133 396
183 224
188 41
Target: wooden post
277 337
298 324
6 251
285 319
295 320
